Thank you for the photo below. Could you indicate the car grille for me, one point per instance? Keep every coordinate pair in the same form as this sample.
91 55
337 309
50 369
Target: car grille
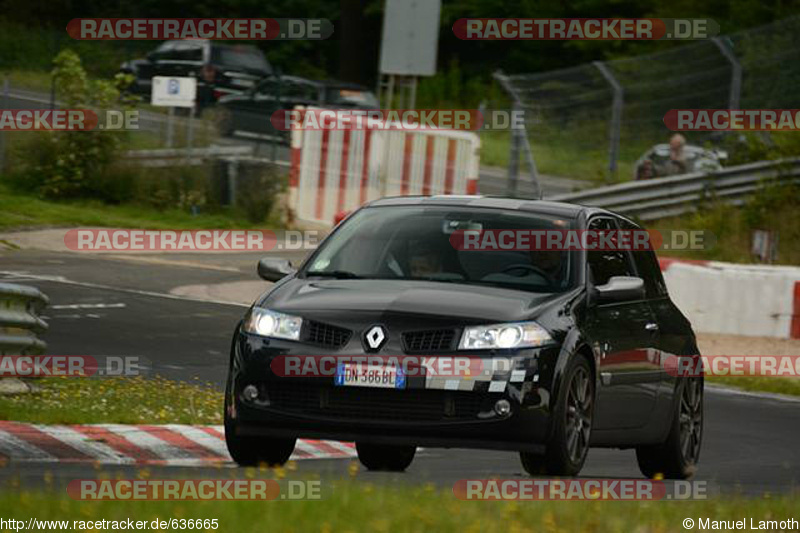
365 403
326 334
434 340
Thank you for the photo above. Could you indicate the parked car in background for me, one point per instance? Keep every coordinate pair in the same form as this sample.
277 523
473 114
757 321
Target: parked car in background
250 112
656 162
220 69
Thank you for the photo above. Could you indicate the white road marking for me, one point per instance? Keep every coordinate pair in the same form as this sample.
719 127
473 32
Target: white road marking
89 306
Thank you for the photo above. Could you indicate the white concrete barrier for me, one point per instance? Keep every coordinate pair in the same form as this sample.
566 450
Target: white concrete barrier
753 300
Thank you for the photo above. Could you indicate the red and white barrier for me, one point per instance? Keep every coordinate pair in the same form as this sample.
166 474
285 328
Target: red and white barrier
755 300
335 171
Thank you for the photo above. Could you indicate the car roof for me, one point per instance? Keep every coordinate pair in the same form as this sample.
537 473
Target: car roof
561 209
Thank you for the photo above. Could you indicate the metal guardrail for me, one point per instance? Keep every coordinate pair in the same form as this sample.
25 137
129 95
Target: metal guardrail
20 323
676 195
185 156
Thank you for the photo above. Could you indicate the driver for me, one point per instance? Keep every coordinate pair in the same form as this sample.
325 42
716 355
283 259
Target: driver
425 259
549 261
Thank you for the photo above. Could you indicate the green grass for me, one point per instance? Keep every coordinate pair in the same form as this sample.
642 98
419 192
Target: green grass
777 385
353 506
564 156
18 210
120 400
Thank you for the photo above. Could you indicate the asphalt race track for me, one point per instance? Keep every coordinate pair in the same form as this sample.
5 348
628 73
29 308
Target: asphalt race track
102 306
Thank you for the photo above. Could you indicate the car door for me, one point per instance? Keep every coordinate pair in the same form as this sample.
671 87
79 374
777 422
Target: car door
625 336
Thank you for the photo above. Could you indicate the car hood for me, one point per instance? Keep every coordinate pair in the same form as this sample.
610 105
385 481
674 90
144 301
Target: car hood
378 299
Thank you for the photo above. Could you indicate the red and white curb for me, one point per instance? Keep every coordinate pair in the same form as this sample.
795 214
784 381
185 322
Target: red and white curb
173 444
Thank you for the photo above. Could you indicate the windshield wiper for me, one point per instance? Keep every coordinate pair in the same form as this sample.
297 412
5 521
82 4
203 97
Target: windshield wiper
338 274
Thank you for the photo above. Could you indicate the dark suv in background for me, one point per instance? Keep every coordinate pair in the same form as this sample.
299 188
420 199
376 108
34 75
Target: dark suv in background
220 69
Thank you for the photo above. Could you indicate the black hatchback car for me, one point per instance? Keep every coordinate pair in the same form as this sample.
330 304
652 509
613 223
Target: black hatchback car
250 112
583 338
220 69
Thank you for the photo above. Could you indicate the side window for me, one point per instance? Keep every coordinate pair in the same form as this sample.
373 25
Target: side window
647 266
299 91
605 264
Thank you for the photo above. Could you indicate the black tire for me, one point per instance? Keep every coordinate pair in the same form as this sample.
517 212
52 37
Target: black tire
571 428
254 451
677 456
385 457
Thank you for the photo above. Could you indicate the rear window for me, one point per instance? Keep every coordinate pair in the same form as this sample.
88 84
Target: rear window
240 57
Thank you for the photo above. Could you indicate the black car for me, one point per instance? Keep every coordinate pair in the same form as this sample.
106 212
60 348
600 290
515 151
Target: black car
251 111
220 69
584 335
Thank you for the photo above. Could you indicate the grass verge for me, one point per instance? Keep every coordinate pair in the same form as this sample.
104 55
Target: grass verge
114 400
18 210
351 506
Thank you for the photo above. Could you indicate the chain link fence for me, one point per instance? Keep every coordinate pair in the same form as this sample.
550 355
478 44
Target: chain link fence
594 121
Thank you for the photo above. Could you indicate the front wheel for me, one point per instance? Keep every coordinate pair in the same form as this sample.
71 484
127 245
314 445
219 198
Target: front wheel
571 426
385 457
250 450
677 457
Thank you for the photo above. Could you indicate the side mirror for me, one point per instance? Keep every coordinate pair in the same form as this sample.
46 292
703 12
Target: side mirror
620 289
274 268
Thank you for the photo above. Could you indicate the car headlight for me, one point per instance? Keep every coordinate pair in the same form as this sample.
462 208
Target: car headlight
514 335
273 324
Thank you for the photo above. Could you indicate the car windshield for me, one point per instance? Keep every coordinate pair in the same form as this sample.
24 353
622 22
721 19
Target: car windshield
243 57
422 243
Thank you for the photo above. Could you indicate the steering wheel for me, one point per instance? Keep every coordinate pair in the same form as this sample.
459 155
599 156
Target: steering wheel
530 268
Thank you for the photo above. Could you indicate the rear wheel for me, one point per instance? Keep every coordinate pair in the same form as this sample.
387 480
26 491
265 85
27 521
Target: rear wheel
572 425
677 457
385 457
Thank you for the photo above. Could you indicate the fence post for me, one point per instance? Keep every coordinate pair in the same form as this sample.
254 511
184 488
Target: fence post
518 137
616 117
513 165
736 73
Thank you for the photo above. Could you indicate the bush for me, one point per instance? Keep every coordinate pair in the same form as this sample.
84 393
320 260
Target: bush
70 164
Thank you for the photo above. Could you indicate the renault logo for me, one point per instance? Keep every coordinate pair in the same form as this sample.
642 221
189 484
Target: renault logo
374 338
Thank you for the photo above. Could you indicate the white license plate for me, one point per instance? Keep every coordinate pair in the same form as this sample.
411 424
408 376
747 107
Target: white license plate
243 82
369 375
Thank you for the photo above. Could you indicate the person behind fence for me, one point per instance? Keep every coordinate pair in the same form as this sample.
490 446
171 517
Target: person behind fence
677 158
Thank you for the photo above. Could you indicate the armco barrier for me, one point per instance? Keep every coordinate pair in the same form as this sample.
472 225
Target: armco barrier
19 320
338 170
754 300
675 195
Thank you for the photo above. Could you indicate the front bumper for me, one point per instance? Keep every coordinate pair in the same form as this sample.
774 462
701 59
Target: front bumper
442 413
